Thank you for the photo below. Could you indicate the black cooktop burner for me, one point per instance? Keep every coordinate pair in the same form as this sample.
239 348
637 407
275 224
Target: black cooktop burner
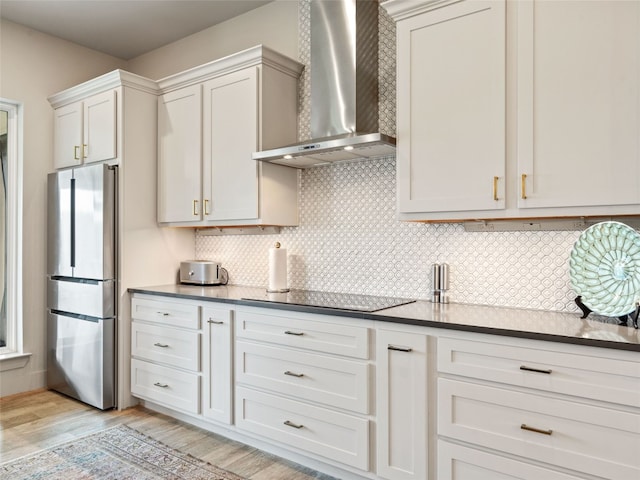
339 301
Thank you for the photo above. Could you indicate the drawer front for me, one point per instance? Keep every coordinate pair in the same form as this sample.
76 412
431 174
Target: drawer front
335 382
178 348
173 388
166 313
591 439
324 337
337 436
456 462
606 379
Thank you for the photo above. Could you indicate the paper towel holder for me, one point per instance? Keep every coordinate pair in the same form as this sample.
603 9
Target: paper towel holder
278 290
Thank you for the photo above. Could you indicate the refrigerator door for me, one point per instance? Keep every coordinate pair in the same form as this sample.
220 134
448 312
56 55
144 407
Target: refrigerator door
59 247
82 223
81 358
94 222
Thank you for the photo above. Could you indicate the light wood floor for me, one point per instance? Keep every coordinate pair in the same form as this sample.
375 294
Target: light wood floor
35 421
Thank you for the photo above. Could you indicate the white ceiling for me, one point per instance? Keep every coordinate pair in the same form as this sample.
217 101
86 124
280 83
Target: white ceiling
123 28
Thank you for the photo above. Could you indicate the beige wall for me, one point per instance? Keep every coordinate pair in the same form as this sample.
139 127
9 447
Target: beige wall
274 25
34 66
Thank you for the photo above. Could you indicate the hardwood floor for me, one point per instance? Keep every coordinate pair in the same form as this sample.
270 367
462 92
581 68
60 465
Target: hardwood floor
34 421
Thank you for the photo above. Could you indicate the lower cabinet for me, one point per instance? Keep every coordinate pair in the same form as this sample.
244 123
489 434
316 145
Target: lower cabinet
217 364
401 401
363 399
568 407
182 356
305 383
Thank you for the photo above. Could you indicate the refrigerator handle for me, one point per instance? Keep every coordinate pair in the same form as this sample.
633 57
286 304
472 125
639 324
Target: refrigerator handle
73 223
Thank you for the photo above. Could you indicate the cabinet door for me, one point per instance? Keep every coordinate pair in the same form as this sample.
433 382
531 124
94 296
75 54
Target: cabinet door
578 103
179 156
451 108
230 126
99 133
67 135
401 398
217 363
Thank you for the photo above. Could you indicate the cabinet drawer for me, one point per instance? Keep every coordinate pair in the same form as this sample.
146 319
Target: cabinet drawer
173 388
166 313
178 348
326 337
335 382
456 462
340 437
592 439
589 376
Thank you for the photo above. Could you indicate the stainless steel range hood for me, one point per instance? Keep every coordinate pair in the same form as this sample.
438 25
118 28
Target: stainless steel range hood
344 88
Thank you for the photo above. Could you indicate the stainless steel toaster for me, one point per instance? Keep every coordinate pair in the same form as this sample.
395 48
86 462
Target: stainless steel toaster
199 272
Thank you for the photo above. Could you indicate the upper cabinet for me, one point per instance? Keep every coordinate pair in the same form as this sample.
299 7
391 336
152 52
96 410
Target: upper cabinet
88 118
516 109
578 114
451 104
210 121
85 131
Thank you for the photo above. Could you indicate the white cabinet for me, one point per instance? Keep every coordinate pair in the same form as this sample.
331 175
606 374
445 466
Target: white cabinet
217 364
180 155
578 116
211 119
182 356
85 131
165 362
401 402
564 407
512 110
303 380
451 108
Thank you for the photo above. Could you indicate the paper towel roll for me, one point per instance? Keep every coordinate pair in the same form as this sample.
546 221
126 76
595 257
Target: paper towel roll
277 269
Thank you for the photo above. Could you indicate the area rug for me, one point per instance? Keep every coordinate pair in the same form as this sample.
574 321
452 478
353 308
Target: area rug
119 453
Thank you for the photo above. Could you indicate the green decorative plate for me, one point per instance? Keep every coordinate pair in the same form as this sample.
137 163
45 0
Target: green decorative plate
605 268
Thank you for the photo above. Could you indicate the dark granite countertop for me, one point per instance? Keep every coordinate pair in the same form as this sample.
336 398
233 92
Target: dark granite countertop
514 322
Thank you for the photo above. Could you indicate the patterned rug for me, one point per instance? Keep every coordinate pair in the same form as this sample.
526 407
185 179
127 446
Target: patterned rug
119 453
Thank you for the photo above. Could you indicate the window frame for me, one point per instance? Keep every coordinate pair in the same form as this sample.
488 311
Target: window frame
14 342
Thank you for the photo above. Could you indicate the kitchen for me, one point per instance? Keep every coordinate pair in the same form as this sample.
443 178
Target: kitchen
360 249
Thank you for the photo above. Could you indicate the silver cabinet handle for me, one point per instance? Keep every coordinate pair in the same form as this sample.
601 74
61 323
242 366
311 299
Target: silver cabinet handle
291 424
536 370
216 322
161 385
399 349
524 426
291 374
161 345
164 314
297 334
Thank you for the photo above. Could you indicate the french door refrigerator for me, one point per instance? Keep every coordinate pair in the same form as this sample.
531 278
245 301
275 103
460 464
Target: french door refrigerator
81 284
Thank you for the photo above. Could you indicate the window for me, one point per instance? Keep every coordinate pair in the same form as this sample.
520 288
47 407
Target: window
10 228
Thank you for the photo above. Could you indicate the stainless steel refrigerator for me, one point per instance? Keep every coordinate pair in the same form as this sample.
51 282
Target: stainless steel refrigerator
82 277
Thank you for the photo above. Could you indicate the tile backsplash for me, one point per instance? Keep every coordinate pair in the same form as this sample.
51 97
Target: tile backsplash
350 241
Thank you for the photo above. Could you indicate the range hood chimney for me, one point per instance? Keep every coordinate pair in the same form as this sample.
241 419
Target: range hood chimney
344 88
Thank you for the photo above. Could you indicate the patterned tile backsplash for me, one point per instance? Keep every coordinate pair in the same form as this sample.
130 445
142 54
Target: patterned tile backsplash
350 241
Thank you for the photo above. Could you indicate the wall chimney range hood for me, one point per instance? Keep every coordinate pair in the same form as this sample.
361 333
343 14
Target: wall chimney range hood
344 88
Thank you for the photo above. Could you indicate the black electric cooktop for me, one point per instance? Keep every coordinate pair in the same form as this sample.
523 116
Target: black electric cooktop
338 301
